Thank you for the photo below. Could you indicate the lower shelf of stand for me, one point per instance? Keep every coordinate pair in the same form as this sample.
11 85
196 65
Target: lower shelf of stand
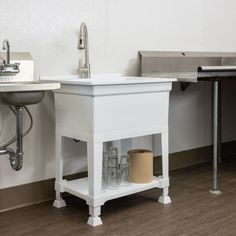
79 188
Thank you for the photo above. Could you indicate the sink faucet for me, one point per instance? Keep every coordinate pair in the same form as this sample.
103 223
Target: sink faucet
6 46
84 66
6 68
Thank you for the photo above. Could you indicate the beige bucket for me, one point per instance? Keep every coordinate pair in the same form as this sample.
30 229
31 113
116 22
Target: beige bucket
141 166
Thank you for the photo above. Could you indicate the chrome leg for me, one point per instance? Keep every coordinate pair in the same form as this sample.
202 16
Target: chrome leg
219 123
215 136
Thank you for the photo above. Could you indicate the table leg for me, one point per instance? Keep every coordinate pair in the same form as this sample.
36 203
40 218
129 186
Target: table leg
164 198
59 202
94 154
219 123
215 136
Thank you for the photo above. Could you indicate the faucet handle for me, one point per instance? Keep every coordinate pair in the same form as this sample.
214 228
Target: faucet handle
15 66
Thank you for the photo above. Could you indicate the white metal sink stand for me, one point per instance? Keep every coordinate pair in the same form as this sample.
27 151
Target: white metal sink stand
98 112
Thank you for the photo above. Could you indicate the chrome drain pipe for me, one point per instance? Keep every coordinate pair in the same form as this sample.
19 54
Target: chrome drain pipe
8 151
16 157
17 160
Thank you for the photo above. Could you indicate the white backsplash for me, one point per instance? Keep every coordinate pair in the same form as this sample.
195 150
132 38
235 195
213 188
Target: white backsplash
26 67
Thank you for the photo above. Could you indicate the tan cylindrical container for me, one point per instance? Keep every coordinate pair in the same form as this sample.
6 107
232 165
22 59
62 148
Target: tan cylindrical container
141 166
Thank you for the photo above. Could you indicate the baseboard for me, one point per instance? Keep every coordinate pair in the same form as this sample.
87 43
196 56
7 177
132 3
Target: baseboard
185 158
194 156
29 194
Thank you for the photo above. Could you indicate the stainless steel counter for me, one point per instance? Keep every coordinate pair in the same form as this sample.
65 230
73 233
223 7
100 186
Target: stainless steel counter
191 67
185 65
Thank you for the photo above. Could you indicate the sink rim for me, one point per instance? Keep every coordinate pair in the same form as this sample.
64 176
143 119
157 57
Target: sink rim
28 86
103 79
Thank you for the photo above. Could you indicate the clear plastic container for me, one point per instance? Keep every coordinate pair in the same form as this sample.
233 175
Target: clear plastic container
105 171
124 171
113 169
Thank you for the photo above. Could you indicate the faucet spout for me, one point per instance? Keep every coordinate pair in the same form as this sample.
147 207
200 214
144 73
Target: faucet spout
6 46
83 33
84 66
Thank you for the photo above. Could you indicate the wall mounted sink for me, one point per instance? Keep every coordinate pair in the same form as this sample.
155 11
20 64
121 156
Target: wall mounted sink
22 98
20 94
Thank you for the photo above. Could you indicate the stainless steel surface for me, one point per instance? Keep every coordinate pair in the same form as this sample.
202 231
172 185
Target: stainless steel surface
191 67
185 65
219 123
181 76
84 66
6 68
215 135
187 54
216 101
218 68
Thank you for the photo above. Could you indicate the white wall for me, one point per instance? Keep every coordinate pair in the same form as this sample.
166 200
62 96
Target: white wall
117 30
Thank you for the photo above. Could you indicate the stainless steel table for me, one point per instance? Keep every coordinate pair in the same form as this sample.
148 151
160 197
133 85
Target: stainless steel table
216 74
188 68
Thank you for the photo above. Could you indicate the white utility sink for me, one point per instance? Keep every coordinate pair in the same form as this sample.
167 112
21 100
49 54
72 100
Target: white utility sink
102 109
28 93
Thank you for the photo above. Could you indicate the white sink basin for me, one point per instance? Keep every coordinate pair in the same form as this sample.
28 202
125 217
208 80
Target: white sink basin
20 94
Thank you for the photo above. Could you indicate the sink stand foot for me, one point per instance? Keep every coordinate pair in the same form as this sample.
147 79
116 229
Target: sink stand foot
94 219
59 202
216 192
165 198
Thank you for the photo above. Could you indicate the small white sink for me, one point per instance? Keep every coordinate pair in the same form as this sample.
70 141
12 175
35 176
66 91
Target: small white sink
20 94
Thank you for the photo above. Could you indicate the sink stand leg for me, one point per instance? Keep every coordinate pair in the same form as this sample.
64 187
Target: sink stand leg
59 202
94 154
164 198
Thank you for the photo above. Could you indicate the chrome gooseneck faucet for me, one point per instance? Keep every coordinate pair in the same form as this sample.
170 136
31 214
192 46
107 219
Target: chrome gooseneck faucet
6 46
6 68
84 66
